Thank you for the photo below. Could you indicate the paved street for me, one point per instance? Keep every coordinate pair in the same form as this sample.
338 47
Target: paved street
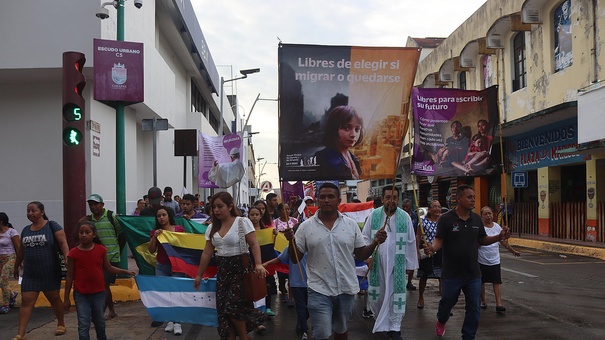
548 296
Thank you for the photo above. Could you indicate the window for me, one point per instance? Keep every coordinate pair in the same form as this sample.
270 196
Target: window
519 80
462 80
562 36
198 103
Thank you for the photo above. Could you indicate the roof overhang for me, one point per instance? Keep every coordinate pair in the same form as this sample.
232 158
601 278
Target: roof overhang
429 81
468 55
446 71
541 118
531 11
496 33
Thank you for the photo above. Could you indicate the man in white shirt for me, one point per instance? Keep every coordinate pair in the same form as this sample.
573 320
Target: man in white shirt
329 239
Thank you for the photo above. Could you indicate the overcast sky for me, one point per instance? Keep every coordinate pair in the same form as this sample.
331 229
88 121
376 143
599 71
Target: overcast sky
243 34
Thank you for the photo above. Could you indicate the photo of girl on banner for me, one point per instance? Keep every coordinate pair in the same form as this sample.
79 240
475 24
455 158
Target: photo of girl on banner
220 164
453 131
343 110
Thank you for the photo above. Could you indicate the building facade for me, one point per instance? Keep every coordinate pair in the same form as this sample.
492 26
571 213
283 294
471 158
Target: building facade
546 57
181 84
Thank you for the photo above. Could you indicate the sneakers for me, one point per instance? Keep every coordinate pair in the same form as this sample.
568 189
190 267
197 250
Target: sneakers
177 329
291 304
410 286
169 327
500 309
439 329
156 323
367 313
4 309
269 312
304 336
13 299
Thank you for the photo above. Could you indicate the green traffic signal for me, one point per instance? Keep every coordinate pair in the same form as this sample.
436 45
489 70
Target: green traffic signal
72 112
72 136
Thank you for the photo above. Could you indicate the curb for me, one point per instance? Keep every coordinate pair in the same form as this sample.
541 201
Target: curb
570 249
122 290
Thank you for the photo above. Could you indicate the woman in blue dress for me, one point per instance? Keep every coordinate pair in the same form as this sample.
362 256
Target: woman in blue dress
40 242
344 130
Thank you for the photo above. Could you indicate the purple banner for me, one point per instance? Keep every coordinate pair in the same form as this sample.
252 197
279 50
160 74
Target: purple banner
118 72
453 131
220 162
291 192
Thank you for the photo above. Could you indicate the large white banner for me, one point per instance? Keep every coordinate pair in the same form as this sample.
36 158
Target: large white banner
220 162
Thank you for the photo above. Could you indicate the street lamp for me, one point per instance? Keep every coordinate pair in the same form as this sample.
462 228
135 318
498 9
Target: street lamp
252 108
245 74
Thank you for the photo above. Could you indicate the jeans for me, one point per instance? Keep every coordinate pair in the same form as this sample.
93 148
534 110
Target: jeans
90 306
302 313
450 291
329 313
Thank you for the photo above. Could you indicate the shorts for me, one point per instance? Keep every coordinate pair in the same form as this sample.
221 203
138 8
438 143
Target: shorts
109 277
490 274
329 313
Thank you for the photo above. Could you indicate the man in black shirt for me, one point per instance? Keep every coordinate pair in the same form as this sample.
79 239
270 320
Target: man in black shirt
460 231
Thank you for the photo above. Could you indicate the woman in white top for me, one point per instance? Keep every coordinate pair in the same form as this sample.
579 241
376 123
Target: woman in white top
234 314
489 259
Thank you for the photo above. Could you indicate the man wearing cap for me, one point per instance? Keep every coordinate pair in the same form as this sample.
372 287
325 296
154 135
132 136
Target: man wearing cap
226 174
155 198
169 202
110 233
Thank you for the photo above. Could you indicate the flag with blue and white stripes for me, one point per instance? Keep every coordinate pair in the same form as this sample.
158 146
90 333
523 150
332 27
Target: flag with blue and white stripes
174 299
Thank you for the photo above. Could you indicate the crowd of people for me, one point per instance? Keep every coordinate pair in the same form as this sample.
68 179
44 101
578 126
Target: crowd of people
458 248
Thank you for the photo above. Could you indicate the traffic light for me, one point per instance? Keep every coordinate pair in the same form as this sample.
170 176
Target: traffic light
73 102
74 142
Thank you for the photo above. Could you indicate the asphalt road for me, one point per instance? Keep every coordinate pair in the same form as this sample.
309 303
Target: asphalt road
547 296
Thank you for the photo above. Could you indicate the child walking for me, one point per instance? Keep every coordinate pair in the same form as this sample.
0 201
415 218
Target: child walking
85 265
298 288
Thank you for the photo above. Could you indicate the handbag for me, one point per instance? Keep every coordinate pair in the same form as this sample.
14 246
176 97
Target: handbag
255 287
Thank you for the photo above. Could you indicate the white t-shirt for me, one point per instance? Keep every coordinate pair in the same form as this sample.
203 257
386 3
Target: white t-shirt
490 255
229 245
6 241
330 262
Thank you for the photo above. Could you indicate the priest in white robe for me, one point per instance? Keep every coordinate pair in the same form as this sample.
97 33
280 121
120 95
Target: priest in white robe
387 276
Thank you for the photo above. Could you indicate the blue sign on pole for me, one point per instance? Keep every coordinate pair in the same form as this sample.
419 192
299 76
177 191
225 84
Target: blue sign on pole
519 179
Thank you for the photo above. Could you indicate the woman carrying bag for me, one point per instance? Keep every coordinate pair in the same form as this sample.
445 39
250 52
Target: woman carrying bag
235 315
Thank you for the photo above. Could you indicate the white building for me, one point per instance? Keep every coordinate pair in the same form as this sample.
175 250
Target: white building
181 85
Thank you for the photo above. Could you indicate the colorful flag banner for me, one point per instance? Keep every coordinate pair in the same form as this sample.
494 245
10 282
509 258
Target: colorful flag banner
220 160
343 110
291 192
454 131
137 230
184 251
357 211
174 299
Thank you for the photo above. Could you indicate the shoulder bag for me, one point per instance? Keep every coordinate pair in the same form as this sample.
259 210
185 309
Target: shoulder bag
255 287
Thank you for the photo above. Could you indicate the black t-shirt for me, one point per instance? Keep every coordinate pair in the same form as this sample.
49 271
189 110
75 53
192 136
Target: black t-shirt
460 245
148 211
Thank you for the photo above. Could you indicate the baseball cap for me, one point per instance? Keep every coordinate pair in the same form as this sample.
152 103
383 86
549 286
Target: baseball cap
95 198
155 195
308 198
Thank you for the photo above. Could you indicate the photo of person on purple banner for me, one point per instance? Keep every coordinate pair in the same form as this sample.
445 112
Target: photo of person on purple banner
344 130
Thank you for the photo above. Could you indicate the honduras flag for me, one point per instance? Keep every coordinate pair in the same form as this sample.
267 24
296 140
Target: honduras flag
174 299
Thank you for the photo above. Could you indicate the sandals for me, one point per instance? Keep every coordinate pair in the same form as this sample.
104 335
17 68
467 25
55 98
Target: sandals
18 337
61 330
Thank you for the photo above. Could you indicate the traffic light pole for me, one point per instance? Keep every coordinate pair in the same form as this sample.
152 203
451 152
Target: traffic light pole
120 143
120 140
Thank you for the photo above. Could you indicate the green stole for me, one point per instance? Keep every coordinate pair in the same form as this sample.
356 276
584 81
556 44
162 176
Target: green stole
399 275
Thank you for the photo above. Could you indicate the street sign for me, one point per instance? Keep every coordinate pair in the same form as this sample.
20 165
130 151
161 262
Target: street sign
266 186
519 179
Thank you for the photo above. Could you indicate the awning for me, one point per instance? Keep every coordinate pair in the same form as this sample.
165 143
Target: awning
495 35
446 71
541 118
468 55
531 11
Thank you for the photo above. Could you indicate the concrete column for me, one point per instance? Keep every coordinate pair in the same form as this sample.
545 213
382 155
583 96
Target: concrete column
549 190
